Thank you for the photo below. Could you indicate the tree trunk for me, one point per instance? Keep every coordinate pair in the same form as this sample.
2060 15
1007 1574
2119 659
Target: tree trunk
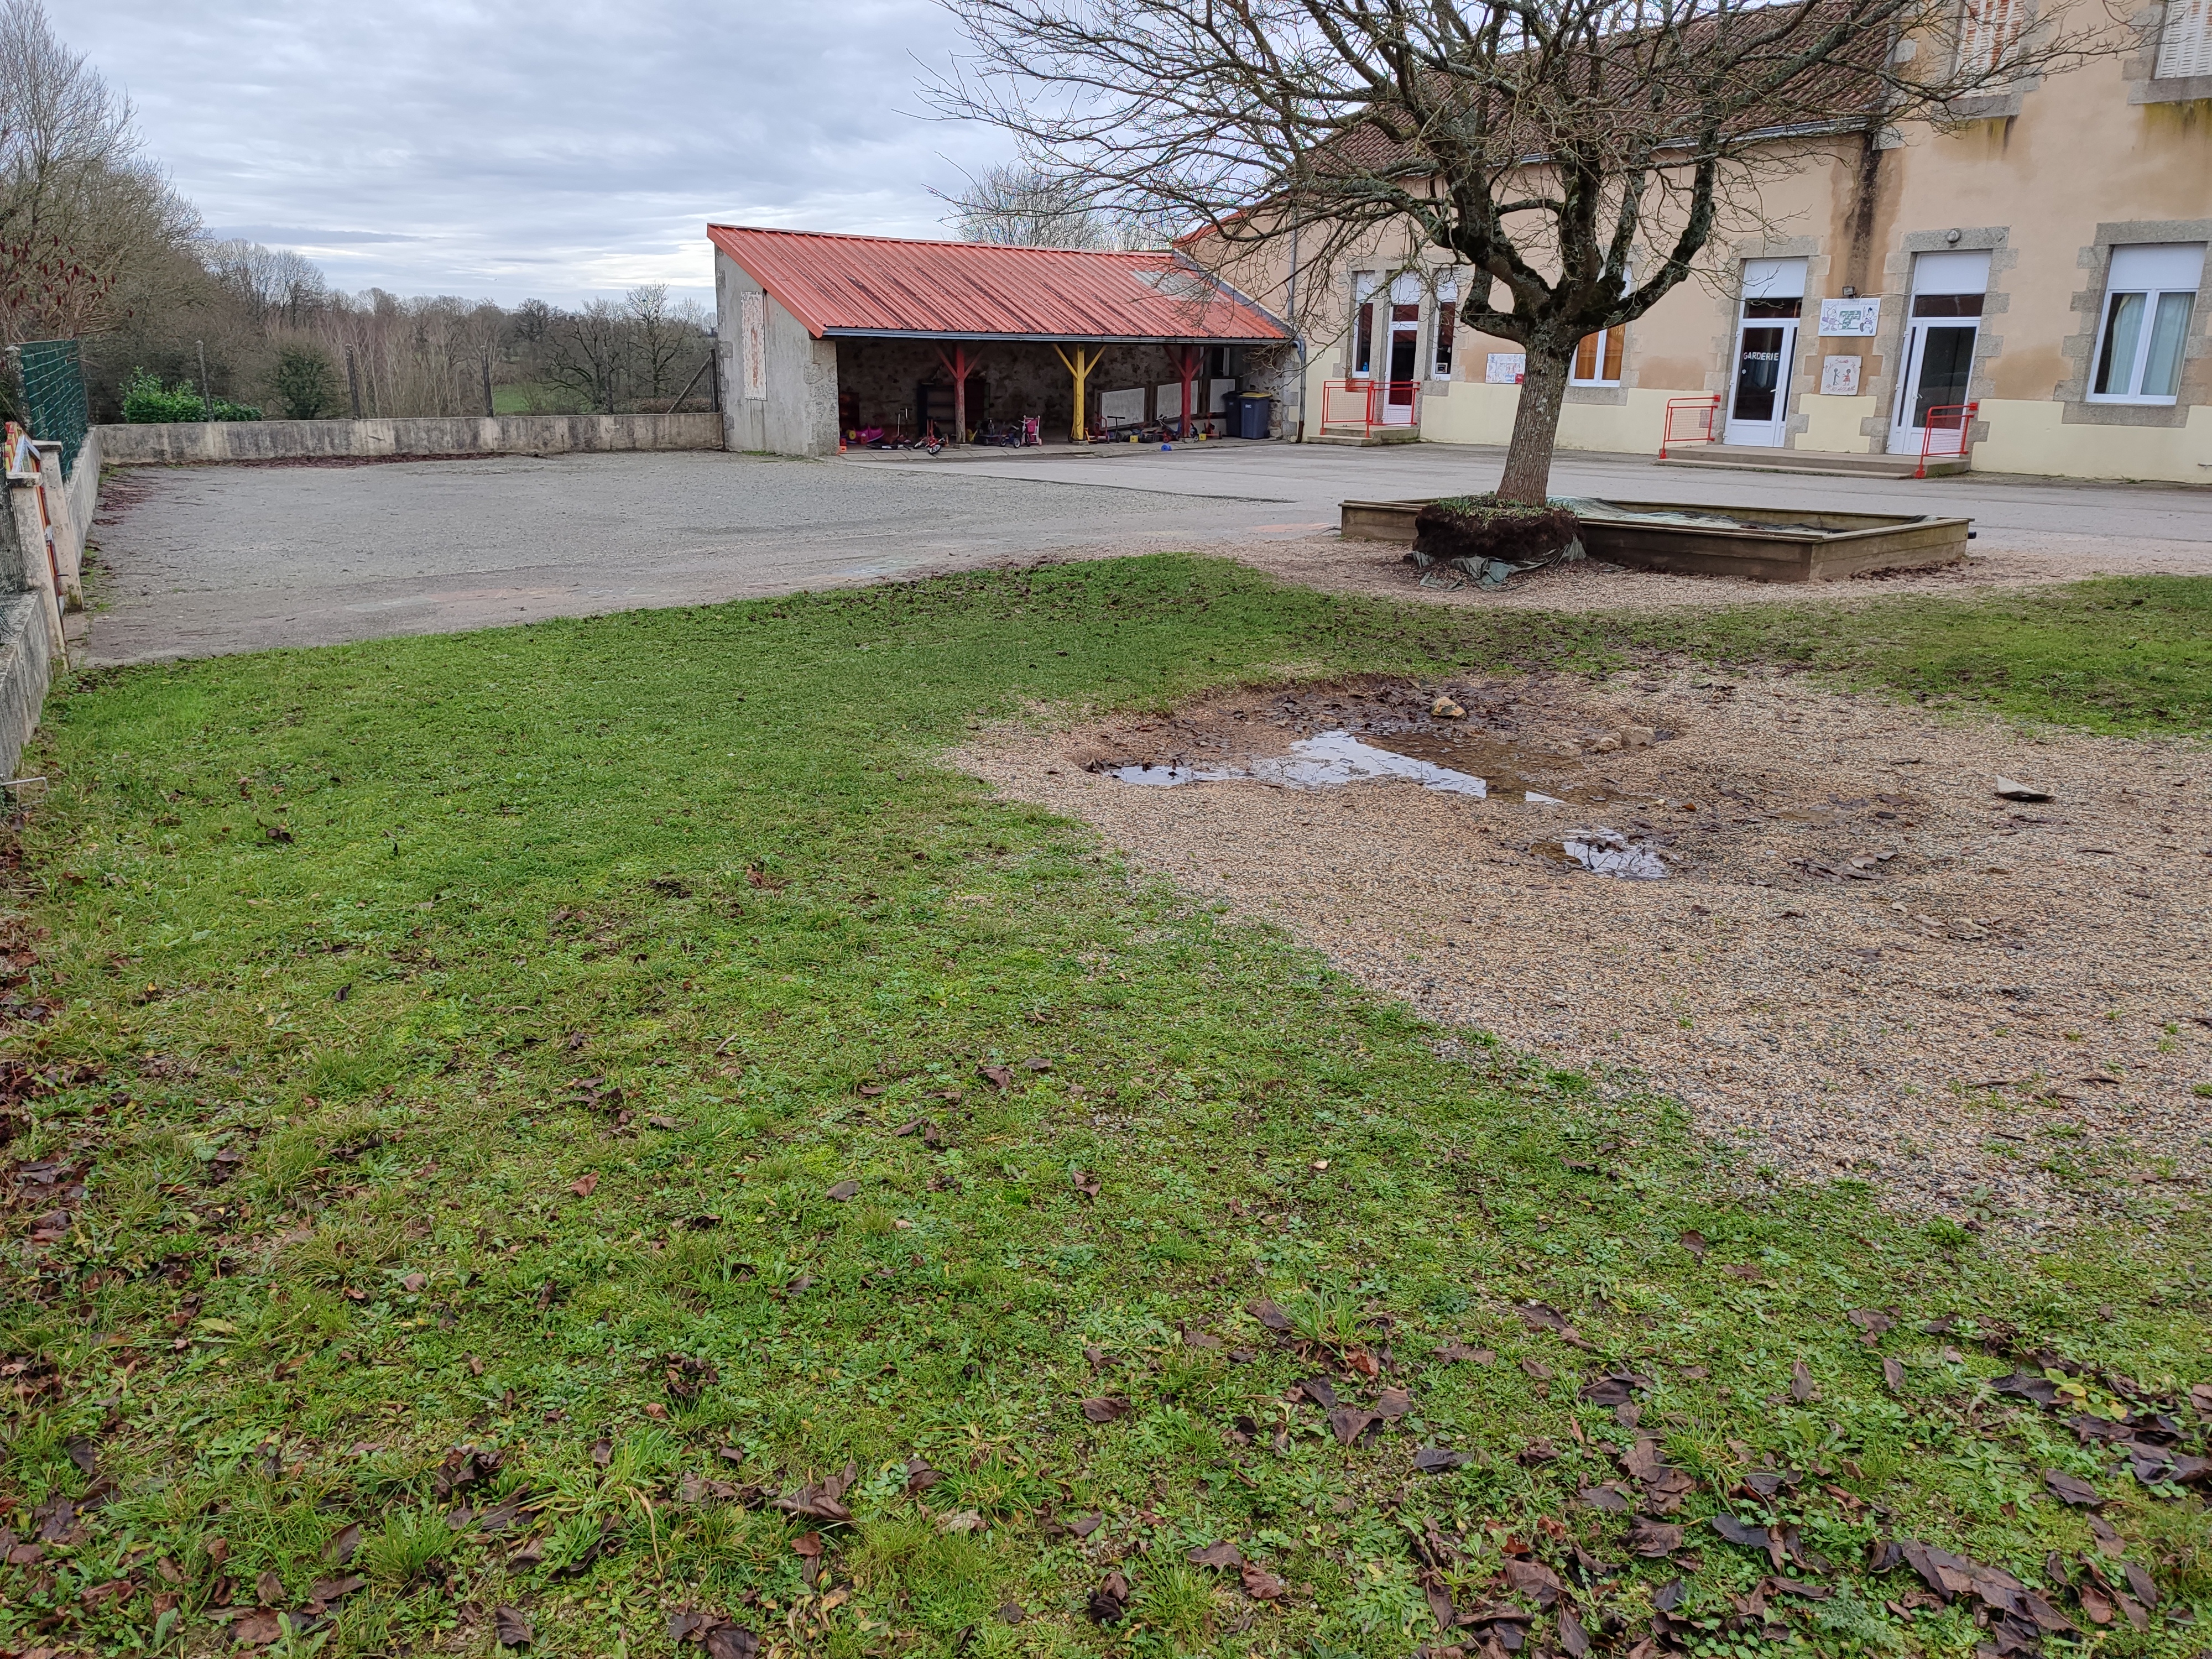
1536 430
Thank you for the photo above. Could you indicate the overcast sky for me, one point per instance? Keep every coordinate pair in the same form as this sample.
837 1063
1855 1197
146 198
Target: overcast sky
500 149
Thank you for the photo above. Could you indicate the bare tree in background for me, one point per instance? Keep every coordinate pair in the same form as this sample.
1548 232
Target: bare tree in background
278 285
1019 204
670 339
586 352
87 223
1029 204
1540 143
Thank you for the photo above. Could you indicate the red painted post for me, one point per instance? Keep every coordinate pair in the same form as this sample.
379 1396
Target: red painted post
1188 364
960 365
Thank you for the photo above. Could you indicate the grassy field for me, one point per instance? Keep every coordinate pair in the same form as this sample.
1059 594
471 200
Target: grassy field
493 1116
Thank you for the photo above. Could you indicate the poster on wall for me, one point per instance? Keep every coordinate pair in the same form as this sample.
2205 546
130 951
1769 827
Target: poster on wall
1123 407
1505 368
1845 318
1840 377
752 323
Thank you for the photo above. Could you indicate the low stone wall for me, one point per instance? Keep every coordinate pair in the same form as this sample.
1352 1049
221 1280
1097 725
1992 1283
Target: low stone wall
26 666
84 486
186 442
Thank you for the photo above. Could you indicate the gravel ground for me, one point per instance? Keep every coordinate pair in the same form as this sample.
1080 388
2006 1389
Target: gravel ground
1862 964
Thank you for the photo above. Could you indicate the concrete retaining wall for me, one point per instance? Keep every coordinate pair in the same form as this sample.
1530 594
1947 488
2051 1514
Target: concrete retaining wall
84 486
183 442
26 665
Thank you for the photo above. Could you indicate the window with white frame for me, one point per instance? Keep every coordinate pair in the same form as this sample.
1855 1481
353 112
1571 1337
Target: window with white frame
1363 323
1597 358
2148 296
1987 32
2184 43
1440 357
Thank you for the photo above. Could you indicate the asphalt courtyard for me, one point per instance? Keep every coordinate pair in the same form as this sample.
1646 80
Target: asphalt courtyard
204 561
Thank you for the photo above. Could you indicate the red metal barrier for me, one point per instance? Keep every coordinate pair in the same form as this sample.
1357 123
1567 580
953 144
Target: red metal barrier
1956 423
1698 422
1369 403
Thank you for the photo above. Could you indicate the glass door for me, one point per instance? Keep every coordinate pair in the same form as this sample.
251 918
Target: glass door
1765 351
1405 351
1938 354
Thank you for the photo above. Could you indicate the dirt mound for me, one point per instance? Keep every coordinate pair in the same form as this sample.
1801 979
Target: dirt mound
1855 961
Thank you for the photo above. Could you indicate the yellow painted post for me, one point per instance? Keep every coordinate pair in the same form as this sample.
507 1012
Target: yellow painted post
1080 369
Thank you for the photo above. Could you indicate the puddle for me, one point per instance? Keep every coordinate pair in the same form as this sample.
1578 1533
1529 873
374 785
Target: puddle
1328 760
1333 759
1604 853
1167 777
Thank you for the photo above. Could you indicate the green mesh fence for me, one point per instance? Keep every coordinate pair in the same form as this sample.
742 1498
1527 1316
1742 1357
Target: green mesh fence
53 395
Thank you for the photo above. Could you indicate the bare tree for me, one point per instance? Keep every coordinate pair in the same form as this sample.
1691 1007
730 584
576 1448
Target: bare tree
1545 146
82 212
668 339
586 352
277 285
1019 204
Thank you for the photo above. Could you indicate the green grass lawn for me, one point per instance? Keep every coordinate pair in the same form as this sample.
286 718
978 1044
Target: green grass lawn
511 1107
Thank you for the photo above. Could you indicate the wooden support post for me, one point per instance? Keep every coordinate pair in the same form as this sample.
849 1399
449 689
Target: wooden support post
1079 367
1189 363
961 364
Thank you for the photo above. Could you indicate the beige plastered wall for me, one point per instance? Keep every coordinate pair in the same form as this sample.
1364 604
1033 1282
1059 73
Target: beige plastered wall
2048 179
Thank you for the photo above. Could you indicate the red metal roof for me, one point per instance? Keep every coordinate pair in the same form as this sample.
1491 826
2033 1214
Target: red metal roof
837 284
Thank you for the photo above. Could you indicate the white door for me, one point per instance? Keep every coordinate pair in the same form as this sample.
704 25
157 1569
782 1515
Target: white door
1765 351
1401 362
1937 359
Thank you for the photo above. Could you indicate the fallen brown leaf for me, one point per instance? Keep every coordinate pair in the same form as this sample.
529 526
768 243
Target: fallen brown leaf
1224 1554
1350 1422
1453 1353
582 1187
1109 1603
844 1191
512 1627
2068 1489
1106 1408
1260 1584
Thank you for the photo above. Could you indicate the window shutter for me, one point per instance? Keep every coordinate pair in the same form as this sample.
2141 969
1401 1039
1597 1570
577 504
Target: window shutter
2185 47
1986 29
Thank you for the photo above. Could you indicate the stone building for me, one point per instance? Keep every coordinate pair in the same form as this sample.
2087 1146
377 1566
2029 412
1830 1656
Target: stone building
823 338
2042 261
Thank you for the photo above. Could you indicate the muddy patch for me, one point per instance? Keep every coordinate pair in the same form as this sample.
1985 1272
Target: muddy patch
1811 917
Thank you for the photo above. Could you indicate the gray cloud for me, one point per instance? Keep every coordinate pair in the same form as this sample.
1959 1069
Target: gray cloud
504 149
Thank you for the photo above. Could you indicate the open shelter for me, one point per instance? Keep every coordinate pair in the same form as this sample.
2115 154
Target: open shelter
825 337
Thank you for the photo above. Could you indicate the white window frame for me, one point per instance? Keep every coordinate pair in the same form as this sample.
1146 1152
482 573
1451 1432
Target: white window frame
2185 41
1444 344
1602 337
2152 294
1365 287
